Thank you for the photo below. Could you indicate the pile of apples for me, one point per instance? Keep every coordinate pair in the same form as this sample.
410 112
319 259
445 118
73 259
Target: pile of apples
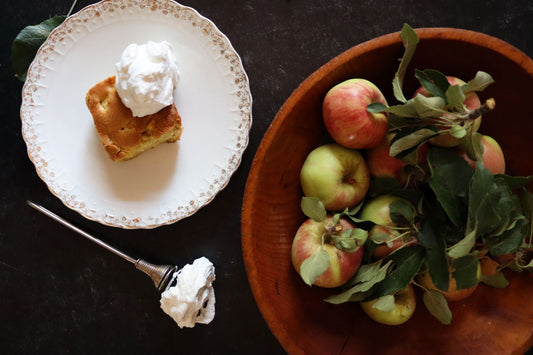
328 248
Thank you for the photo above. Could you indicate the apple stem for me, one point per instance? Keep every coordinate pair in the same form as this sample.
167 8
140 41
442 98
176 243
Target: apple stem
481 110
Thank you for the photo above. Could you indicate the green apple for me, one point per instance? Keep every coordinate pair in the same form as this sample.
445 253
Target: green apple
337 176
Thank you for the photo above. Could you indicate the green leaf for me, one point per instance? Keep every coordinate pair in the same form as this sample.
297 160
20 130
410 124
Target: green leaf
464 246
28 42
437 306
509 241
450 180
410 41
407 261
472 145
526 200
406 110
351 240
313 208
514 182
465 273
402 212
455 96
457 131
314 266
382 238
433 81
409 139
359 287
429 107
479 83
385 303
497 280
397 121
432 237
376 107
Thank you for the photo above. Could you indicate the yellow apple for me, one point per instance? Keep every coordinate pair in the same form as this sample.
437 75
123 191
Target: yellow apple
404 307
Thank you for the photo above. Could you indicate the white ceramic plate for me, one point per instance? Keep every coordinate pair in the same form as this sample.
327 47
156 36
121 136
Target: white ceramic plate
167 183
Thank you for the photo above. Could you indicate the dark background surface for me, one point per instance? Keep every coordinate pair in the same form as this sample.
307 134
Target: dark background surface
60 294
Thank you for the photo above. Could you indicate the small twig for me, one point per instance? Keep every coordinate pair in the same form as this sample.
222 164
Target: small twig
72 8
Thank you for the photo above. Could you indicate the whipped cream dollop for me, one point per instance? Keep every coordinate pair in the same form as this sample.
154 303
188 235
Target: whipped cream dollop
192 299
147 75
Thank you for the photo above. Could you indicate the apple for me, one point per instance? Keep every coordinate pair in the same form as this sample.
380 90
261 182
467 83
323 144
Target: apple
471 102
404 307
313 235
493 157
453 294
382 164
377 210
335 175
347 119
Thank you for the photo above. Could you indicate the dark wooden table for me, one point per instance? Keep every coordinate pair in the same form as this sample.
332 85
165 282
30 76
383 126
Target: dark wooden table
60 294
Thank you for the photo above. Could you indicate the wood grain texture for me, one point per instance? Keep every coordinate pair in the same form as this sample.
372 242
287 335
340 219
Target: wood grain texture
489 322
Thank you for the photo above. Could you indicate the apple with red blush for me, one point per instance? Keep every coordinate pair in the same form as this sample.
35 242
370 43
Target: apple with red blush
347 119
381 164
493 158
320 239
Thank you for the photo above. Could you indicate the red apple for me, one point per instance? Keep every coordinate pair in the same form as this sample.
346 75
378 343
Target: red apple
471 102
347 119
381 164
378 211
313 235
336 175
493 157
404 307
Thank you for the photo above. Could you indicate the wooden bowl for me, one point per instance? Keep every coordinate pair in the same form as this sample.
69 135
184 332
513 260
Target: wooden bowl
492 321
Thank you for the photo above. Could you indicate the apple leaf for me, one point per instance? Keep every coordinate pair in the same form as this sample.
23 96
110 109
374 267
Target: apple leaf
472 145
376 107
455 97
350 240
410 41
514 182
479 83
407 261
402 212
465 273
432 237
433 81
464 246
526 200
385 303
314 266
360 286
313 208
450 179
437 306
382 238
457 131
28 42
429 107
497 280
408 139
